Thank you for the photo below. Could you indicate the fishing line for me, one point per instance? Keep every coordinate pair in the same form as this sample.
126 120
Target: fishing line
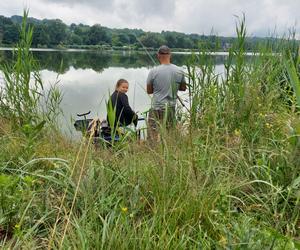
152 59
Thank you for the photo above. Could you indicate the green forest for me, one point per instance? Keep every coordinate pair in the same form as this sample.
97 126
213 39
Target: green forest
54 33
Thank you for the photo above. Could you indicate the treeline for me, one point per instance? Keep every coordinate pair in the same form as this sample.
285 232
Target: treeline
56 34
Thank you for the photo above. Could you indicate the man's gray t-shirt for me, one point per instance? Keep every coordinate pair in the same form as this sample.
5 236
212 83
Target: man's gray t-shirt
165 79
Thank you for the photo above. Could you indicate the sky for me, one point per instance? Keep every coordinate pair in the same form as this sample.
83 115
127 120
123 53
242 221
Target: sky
263 17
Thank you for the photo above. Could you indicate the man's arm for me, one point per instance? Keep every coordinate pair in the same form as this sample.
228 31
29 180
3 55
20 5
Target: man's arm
149 88
182 86
150 82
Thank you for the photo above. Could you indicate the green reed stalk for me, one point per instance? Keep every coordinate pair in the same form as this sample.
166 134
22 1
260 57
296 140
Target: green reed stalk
294 75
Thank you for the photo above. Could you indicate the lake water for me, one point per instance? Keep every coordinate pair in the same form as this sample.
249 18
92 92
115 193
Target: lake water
87 77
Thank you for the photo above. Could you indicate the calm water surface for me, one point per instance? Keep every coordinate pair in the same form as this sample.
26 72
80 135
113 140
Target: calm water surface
86 78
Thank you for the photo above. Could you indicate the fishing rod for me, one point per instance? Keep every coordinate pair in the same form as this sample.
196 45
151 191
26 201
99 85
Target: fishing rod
155 64
147 52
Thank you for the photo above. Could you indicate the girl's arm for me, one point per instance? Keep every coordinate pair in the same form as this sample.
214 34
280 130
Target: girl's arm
126 107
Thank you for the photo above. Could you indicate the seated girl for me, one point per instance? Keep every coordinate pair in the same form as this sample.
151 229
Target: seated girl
123 115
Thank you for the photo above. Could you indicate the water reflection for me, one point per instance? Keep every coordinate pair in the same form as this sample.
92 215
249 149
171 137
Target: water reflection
87 78
62 61
88 90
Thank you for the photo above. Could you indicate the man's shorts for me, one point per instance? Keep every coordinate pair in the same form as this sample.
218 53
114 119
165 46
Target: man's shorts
161 118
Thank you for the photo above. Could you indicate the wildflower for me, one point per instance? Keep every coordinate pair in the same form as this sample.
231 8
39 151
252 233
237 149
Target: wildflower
131 215
268 125
17 226
261 114
223 241
237 132
124 209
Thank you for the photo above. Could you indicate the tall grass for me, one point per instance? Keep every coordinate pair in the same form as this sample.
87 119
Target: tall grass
293 73
23 91
242 146
27 112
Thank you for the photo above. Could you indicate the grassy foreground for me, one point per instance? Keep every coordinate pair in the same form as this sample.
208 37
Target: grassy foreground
226 178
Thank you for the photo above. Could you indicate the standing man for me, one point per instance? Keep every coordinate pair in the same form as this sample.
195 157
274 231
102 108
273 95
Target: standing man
163 82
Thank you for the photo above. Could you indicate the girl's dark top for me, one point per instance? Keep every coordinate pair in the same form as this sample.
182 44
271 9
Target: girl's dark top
124 114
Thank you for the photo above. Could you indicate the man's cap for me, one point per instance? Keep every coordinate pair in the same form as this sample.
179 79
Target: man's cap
164 49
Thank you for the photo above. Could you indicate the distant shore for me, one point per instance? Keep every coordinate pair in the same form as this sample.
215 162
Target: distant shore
185 51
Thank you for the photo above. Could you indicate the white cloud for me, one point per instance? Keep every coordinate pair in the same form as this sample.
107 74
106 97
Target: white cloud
189 16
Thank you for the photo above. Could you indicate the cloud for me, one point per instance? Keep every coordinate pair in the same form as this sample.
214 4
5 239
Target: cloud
262 16
98 4
188 16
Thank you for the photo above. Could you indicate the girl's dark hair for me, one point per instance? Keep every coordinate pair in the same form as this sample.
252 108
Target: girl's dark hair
120 81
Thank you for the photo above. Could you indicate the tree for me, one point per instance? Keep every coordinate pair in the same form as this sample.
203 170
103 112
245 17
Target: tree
151 39
40 36
10 34
98 35
132 38
57 31
123 38
75 39
170 38
82 31
115 40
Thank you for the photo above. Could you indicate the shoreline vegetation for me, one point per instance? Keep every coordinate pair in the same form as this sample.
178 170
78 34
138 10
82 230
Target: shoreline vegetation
106 48
226 178
54 34
186 51
151 50
100 48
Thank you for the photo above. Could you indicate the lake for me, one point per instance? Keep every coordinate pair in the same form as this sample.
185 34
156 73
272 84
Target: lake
86 78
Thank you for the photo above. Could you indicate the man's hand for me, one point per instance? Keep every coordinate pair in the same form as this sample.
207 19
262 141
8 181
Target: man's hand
182 86
149 88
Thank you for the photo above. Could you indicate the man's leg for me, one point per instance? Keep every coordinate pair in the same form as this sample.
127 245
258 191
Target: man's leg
155 121
170 118
152 126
